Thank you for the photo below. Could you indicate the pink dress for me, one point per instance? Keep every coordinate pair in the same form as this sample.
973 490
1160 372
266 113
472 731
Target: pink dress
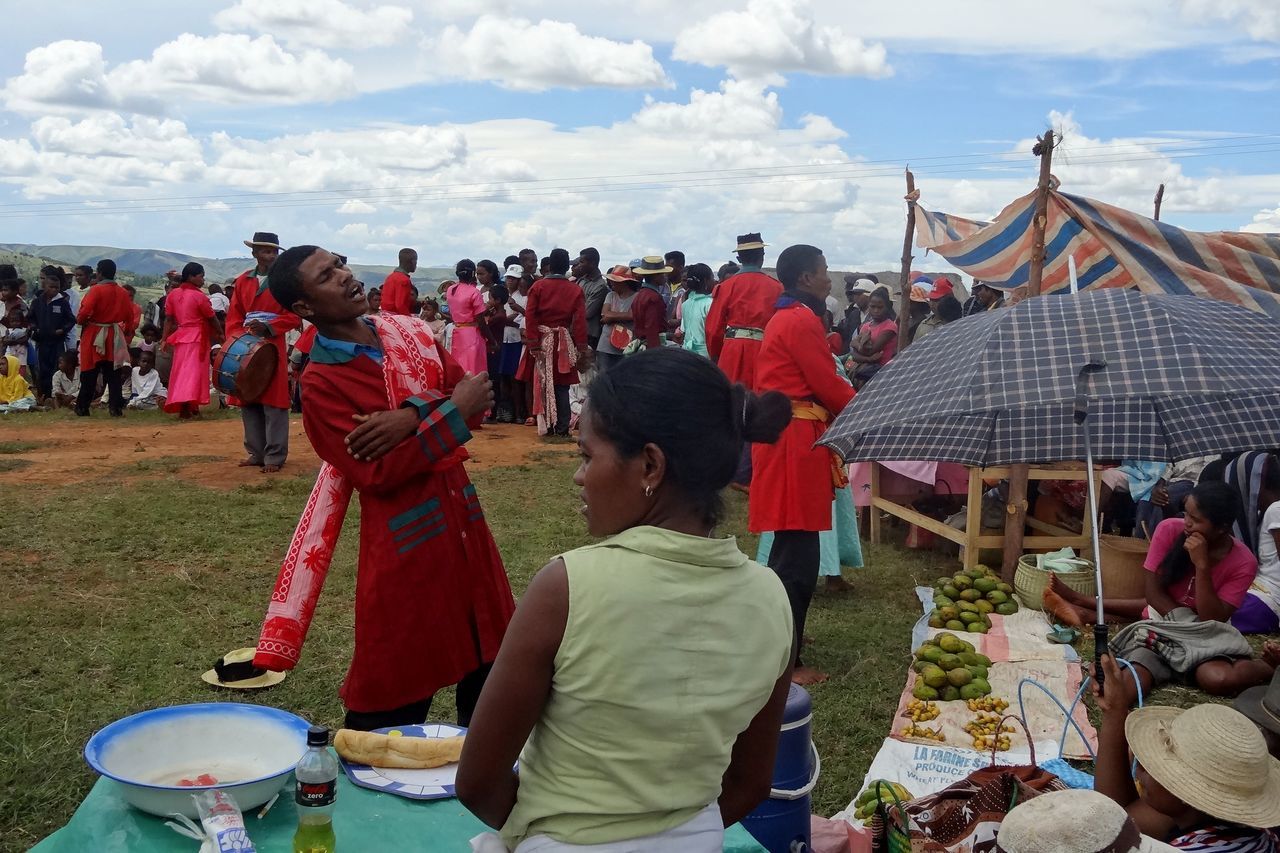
189 377
466 307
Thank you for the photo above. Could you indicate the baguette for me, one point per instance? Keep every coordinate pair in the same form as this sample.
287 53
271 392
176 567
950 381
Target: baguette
403 753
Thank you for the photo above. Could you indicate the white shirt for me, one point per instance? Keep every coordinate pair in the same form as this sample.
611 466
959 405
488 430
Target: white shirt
149 385
73 296
1266 586
62 384
514 334
219 301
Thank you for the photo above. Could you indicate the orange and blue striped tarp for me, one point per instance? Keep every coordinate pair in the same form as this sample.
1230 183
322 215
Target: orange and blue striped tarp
1112 247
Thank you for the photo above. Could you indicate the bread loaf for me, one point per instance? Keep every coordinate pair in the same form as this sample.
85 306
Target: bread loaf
404 753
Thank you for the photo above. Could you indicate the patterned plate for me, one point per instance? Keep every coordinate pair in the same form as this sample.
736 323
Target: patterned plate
434 784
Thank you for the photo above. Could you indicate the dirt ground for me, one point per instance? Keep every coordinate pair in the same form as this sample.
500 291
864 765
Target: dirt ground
205 452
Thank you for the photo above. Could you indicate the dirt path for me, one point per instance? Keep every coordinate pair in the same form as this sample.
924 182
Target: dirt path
203 452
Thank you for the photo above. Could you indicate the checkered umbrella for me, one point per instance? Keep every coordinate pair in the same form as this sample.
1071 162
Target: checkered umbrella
1159 377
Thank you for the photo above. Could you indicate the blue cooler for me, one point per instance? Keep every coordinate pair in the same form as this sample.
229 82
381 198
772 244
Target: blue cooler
781 823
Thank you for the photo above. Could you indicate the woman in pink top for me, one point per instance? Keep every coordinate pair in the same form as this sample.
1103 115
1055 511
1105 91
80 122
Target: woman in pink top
877 339
190 325
466 307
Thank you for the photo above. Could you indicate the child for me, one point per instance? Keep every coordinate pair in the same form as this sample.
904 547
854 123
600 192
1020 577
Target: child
14 337
66 381
15 393
431 316
496 322
150 338
148 392
125 374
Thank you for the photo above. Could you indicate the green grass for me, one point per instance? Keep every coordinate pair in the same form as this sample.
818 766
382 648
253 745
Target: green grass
11 447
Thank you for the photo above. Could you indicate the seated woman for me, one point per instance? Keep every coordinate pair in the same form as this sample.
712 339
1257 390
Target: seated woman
1259 613
645 676
1195 563
15 393
877 339
1204 780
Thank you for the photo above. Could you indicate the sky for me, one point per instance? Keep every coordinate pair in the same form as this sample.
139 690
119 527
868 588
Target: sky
475 128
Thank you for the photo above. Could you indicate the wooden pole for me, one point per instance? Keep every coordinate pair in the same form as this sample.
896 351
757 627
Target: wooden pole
1159 201
1016 510
904 299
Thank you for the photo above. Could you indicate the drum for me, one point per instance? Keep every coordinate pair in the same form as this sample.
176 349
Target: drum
245 366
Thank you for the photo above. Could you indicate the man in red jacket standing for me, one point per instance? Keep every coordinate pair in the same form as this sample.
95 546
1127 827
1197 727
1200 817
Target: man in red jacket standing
397 296
794 480
254 310
107 322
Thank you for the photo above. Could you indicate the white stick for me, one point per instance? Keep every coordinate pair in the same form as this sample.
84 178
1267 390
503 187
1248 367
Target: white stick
271 802
1071 268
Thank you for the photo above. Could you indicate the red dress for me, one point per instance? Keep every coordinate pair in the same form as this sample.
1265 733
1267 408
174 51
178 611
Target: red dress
106 313
396 296
432 599
246 298
791 486
554 303
744 301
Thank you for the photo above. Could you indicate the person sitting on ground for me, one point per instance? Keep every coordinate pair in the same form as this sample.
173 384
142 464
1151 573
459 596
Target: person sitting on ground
15 393
1259 613
1262 705
1073 821
1203 781
148 392
580 693
124 375
1194 565
150 338
66 381
1137 479
877 339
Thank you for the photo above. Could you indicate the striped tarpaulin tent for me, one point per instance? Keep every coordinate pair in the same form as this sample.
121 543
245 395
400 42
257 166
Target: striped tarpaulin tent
1112 248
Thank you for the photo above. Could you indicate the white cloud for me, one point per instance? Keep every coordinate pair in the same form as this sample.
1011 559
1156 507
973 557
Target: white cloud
217 206
233 68
526 56
774 36
70 76
740 109
319 23
1259 18
356 207
1264 222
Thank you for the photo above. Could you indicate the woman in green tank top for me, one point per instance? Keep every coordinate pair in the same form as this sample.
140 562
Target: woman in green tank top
642 681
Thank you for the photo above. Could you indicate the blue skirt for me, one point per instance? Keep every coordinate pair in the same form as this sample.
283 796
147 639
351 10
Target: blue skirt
509 359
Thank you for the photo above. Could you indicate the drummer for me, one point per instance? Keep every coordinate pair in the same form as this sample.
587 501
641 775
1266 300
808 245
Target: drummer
255 311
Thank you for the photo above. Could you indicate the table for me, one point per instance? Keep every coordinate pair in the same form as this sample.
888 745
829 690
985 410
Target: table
365 822
972 539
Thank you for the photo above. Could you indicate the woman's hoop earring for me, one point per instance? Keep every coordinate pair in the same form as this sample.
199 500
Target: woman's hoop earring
648 491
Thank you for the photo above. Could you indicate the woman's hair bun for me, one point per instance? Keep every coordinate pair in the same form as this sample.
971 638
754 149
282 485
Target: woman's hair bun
760 418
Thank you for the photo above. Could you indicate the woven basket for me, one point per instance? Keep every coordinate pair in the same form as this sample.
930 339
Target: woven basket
1030 582
1123 575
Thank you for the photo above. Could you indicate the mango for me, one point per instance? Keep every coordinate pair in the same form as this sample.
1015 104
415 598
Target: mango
942 601
1007 609
997 597
969 618
1005 588
936 621
977 671
975 659
983 685
984 585
984 606
946 614
980 627
968 647
933 676
961 582
950 591
959 677
949 694
971 691
932 654
925 692
950 643
949 662
955 625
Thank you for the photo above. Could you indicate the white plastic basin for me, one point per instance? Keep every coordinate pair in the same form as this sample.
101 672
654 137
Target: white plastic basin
249 749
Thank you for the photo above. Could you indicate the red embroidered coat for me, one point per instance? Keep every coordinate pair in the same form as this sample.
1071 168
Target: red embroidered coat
555 302
246 298
432 598
743 301
791 482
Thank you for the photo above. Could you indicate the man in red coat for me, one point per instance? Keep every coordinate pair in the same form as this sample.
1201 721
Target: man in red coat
648 310
254 310
794 480
106 320
397 295
386 408
740 308
555 331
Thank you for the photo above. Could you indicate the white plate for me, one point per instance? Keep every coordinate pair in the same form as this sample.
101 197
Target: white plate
436 783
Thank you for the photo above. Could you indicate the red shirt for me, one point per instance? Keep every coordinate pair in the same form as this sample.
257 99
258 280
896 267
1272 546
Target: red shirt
649 316
106 304
744 301
245 298
397 298
791 484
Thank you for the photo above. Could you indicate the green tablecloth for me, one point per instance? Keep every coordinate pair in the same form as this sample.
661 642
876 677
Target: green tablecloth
364 821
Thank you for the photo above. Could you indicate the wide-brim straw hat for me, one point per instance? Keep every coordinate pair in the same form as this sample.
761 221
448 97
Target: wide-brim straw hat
1072 821
264 238
1211 757
240 662
750 241
621 272
651 265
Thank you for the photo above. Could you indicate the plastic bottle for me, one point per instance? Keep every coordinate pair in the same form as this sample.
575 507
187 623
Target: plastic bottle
316 790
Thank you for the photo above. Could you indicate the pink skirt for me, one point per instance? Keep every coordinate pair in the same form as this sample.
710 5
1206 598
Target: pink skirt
468 349
189 376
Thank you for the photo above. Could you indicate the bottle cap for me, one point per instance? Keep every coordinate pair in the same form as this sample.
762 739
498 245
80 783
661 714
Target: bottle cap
317 736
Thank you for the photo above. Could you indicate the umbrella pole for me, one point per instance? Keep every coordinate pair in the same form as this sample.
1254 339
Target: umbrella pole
1100 629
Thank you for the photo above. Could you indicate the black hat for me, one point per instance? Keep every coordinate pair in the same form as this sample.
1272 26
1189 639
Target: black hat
1262 704
264 238
750 241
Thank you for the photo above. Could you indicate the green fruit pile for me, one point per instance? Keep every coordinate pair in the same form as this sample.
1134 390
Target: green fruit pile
865 805
966 601
949 669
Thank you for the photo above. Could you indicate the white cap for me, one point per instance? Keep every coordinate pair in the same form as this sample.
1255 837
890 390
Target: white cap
864 285
514 271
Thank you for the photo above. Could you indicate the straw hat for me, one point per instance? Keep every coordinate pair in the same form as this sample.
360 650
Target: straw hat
235 669
749 241
263 238
651 265
1072 822
1211 757
622 272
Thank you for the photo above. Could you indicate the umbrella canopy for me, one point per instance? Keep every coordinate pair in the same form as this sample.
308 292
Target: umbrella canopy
1161 377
